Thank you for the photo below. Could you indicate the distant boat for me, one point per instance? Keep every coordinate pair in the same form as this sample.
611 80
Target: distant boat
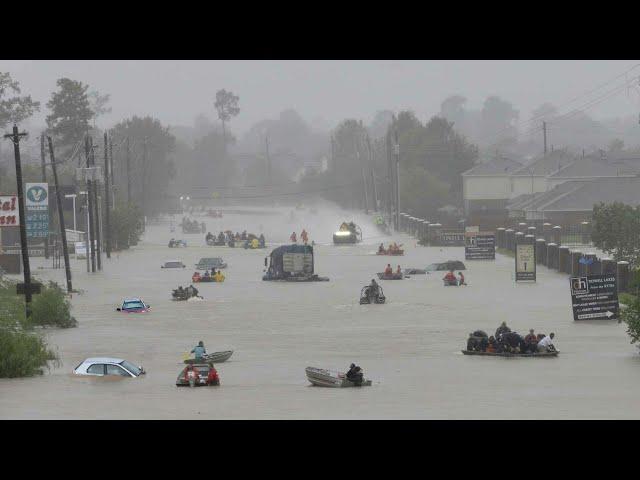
326 378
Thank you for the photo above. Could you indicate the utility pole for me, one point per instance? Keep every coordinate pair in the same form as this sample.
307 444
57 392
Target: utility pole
544 132
266 141
44 179
96 205
144 173
15 138
90 226
113 183
63 232
390 192
373 176
128 172
107 202
396 148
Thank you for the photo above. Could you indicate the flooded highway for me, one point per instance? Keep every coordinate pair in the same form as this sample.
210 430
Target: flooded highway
410 347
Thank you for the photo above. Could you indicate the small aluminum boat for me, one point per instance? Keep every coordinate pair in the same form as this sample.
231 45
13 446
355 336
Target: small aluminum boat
327 378
215 357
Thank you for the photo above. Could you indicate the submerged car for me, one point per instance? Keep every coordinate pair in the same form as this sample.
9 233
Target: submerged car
133 305
446 266
173 264
101 366
207 263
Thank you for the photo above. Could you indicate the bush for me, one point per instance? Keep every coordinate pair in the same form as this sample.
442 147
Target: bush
51 308
631 316
23 354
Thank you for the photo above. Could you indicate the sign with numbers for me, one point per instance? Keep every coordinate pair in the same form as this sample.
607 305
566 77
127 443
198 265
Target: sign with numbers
37 210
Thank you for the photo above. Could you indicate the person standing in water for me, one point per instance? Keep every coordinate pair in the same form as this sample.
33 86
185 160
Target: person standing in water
304 236
293 238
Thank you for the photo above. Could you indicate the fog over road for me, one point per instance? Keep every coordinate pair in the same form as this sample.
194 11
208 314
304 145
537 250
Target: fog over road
410 347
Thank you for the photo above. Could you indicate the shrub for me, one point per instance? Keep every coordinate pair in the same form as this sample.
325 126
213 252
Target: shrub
631 316
51 308
23 354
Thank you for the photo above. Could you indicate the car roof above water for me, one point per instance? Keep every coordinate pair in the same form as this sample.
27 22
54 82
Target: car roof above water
103 360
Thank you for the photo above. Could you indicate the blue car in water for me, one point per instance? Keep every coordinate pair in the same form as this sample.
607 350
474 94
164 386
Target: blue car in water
133 305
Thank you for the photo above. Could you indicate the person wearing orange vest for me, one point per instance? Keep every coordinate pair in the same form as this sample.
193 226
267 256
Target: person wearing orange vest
450 277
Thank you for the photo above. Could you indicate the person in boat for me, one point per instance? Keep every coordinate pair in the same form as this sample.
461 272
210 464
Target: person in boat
218 277
398 270
191 374
512 342
261 240
355 375
206 277
244 235
531 342
255 243
199 350
491 345
545 344
221 237
381 249
209 237
450 278
172 242
461 279
195 277
212 376
502 329
179 292
293 238
388 271
213 271
373 291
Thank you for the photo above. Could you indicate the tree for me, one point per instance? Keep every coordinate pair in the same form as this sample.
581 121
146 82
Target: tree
631 316
453 109
498 117
616 230
150 174
380 123
14 109
98 104
616 145
227 107
70 111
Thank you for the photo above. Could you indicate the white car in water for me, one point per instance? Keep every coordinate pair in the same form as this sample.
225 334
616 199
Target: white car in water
101 366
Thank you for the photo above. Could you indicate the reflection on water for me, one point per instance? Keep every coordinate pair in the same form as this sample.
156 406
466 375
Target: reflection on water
409 347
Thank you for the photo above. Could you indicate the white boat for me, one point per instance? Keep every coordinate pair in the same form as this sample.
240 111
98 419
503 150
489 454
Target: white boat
327 378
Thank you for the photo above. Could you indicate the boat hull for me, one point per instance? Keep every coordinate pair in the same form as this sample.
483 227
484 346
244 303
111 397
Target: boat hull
505 354
320 377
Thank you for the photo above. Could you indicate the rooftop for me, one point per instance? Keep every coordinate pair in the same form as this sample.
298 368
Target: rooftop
496 166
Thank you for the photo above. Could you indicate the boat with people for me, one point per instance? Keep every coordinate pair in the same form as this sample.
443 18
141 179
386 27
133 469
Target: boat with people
392 250
376 298
183 294
321 377
347 233
215 357
177 243
390 276
291 263
506 343
214 277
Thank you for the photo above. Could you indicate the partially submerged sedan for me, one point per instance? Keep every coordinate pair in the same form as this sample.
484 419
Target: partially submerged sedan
133 305
101 366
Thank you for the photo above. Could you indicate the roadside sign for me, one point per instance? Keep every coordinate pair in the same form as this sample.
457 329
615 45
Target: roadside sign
480 246
451 238
9 213
525 262
594 297
37 210
22 290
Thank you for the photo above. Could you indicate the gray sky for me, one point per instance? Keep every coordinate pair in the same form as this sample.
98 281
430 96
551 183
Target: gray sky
176 91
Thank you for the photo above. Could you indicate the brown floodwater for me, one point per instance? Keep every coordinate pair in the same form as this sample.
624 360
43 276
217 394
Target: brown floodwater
410 347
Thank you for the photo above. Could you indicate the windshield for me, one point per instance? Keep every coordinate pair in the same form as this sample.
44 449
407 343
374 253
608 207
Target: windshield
133 305
131 367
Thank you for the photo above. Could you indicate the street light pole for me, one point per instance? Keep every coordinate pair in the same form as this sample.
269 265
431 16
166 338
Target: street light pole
73 196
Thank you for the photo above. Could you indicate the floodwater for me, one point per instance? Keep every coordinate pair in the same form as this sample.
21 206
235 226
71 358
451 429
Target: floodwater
409 347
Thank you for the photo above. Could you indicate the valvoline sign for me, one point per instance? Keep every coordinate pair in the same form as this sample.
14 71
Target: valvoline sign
37 196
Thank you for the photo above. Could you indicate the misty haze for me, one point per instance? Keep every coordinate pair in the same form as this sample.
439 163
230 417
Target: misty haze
319 239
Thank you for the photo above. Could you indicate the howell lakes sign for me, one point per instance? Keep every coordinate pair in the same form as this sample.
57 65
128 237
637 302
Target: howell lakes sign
594 297
9 213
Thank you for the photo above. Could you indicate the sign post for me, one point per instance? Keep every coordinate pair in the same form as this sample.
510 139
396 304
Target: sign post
525 262
479 245
37 206
594 297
